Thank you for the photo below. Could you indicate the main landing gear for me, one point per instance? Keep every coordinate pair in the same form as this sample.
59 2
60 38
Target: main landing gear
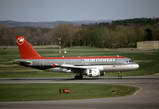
78 76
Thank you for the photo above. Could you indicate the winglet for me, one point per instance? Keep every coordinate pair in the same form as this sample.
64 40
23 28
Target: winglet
25 49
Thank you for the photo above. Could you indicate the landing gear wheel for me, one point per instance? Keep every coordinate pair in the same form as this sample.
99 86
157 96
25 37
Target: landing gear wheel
78 77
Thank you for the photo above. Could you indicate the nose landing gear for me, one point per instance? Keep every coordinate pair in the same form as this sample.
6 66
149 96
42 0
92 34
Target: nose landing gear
120 76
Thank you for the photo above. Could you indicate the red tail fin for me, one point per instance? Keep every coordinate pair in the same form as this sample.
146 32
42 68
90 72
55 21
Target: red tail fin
25 49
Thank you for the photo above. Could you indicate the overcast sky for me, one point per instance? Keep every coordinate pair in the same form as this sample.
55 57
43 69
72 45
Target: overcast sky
73 10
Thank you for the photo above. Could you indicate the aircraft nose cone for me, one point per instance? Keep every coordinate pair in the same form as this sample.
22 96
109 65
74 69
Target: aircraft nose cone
136 66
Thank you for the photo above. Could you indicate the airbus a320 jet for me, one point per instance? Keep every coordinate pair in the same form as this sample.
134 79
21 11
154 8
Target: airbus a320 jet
92 66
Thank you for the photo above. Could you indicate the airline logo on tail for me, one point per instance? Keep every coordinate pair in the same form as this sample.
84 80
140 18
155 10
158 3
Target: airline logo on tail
25 49
20 40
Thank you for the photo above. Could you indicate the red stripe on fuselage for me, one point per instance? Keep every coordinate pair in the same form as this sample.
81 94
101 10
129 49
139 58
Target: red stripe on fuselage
91 57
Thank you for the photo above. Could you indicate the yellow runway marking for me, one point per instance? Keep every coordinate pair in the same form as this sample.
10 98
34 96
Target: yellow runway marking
137 92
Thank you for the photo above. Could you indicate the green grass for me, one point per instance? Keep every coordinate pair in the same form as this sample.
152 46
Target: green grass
32 92
148 61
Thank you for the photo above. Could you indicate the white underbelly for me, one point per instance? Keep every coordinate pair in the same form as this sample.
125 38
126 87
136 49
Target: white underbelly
120 67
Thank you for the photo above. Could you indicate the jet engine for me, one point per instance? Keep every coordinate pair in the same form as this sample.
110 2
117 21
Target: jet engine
92 72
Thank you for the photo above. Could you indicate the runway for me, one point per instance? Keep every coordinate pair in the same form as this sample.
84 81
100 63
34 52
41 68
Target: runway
147 97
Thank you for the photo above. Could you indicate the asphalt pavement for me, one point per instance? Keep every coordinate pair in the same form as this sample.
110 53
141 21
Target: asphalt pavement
147 97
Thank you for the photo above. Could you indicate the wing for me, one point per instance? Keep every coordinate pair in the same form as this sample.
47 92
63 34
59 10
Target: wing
77 69
91 71
73 66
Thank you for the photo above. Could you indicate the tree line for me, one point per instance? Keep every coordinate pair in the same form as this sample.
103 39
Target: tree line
120 33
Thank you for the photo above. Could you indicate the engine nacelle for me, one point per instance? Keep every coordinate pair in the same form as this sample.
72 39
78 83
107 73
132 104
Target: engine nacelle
92 72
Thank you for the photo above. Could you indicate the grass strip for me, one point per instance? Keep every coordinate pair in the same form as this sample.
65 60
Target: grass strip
38 91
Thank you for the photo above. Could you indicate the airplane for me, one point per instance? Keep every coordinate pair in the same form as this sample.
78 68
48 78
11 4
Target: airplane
92 66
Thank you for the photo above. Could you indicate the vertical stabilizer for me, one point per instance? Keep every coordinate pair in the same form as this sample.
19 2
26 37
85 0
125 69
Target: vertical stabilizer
25 49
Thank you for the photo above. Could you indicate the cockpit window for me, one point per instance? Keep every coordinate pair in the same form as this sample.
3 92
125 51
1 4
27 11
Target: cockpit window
130 61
